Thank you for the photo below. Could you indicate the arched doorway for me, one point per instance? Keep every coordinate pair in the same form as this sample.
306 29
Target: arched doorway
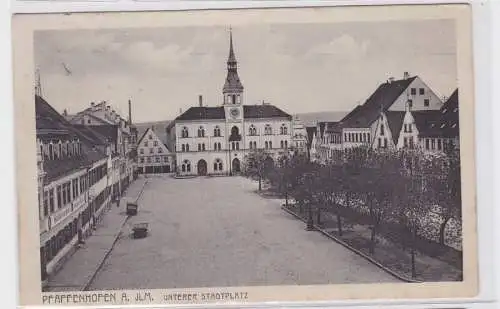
268 164
236 165
202 167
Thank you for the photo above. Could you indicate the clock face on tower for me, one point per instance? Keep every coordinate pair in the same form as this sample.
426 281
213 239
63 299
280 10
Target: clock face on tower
234 112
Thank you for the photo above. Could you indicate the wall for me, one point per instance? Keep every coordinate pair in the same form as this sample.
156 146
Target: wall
418 99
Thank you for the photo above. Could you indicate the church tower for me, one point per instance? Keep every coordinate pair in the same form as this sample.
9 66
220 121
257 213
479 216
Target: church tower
233 89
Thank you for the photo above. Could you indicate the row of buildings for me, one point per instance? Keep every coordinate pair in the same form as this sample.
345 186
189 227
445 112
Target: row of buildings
85 161
403 113
214 140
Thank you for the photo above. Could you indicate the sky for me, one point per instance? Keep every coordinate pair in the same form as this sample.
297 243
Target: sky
298 67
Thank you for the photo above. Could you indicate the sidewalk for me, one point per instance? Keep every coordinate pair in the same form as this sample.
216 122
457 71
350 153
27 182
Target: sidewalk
80 268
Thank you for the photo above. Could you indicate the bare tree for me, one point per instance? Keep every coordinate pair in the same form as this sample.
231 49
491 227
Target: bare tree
257 164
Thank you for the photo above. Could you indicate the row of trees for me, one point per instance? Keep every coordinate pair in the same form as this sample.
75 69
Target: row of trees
403 188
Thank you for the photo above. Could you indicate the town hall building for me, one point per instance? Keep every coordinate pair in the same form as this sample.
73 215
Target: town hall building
215 140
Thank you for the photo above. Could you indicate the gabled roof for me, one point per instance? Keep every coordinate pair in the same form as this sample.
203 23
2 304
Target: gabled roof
395 123
139 141
428 122
450 116
203 112
98 135
264 111
385 95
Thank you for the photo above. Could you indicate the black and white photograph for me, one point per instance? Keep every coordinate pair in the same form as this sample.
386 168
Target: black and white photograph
249 153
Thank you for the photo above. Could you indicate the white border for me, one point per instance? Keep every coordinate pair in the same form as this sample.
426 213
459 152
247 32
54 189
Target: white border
486 132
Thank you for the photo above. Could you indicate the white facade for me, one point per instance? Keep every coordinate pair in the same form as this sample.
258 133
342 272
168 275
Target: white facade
299 135
420 95
153 155
211 149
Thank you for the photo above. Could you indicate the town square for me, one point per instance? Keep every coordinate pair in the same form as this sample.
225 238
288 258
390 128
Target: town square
226 188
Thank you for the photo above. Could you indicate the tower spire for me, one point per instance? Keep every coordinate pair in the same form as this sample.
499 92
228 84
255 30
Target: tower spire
38 83
233 89
231 59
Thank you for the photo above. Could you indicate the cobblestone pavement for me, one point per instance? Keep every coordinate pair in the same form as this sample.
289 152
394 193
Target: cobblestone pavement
81 266
219 232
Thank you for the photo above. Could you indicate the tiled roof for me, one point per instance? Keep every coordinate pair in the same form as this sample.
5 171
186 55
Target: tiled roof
385 95
450 116
109 131
428 122
333 127
249 112
264 111
48 123
395 122
201 113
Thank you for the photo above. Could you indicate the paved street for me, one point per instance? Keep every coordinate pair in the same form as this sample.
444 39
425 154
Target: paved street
218 232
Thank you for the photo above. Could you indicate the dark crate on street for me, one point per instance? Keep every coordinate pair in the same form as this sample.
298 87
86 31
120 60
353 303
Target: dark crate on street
140 230
132 209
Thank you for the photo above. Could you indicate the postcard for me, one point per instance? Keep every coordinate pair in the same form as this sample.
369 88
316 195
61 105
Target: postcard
244 156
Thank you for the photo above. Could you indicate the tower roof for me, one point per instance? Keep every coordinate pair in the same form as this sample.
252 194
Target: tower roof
232 83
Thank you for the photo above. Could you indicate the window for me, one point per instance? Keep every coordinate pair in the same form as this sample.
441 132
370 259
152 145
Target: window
252 131
385 142
150 150
149 159
282 144
51 200
45 203
413 91
427 143
141 151
155 143
184 132
426 102
203 147
405 128
186 166
237 146
345 137
216 131
286 144
270 145
218 165
157 159
160 150
187 147
283 129
142 160
199 147
215 146
410 127
368 136
439 144
379 142
165 159
250 145
410 103
183 147
405 145
146 144
433 144
382 130
266 145
268 130
421 91
254 145
411 142
201 132
150 136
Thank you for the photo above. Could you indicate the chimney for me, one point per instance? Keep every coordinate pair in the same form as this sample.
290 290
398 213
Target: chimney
65 112
129 112
406 75
200 100
391 79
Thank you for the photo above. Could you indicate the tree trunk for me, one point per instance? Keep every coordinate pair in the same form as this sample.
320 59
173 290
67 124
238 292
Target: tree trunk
339 224
286 198
442 229
318 217
372 240
413 244
260 183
